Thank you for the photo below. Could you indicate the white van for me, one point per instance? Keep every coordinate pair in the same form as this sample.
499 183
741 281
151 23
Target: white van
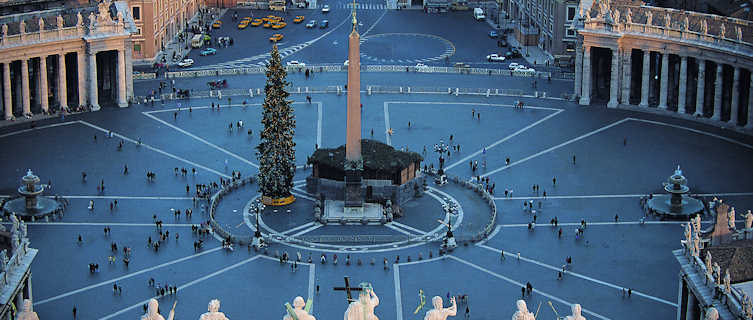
478 14
197 40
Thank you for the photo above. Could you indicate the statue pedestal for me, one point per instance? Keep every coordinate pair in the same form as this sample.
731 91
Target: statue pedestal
335 211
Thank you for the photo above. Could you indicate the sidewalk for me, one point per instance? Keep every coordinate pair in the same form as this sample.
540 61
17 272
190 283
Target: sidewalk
533 54
175 45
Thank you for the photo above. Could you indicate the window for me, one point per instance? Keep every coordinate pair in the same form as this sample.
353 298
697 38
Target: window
570 32
570 13
137 47
138 31
136 13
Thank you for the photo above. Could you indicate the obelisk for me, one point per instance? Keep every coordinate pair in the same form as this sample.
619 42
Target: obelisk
353 161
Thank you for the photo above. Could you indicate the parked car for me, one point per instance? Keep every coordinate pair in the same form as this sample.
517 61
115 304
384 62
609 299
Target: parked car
256 22
276 37
279 25
461 65
185 63
495 58
325 9
217 24
493 34
524 70
298 19
459 7
502 43
513 66
301 4
295 63
324 24
346 63
311 24
208 51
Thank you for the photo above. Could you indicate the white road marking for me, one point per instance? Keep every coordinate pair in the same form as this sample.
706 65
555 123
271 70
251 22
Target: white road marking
155 149
126 197
695 131
218 148
490 236
305 225
37 128
319 125
388 225
169 263
407 227
575 224
312 284
602 196
398 294
302 194
584 277
555 147
114 224
496 143
307 230
499 276
184 286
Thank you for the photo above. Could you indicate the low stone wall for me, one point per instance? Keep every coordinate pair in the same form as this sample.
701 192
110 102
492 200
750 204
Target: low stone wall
381 190
214 202
479 189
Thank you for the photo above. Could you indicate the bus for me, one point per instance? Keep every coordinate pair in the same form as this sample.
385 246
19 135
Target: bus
277 5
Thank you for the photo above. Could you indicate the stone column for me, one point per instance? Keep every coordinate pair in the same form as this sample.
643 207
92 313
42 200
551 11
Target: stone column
122 101
80 66
700 91
43 90
93 98
578 71
25 86
129 69
585 97
645 73
7 102
626 76
683 85
614 86
62 87
28 286
664 81
735 97
748 125
718 93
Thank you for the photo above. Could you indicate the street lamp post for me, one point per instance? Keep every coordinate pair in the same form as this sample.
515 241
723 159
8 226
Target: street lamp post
257 207
441 148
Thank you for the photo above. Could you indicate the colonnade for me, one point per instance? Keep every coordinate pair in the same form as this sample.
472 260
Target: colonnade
86 88
724 95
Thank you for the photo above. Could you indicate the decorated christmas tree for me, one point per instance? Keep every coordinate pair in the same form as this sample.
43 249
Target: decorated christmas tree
276 151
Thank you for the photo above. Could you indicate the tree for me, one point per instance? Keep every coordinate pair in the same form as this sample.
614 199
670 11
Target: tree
276 151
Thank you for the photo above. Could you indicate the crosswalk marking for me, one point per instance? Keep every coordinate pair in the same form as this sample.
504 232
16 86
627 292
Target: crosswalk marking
359 6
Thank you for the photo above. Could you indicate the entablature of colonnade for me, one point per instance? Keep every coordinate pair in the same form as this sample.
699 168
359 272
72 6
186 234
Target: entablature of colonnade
679 32
106 44
41 49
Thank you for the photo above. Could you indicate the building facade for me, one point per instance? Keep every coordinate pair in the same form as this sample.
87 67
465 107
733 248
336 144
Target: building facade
15 269
159 21
50 63
543 23
670 60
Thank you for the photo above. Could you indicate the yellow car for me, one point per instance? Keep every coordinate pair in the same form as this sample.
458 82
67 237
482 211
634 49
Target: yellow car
298 19
243 25
246 19
268 25
276 37
279 25
217 24
256 22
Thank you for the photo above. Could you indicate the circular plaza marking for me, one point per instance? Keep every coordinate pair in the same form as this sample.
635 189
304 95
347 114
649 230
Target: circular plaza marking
388 47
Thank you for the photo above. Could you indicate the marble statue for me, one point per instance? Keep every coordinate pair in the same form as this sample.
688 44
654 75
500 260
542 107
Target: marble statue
59 20
92 21
363 308
717 273
705 30
121 21
668 20
748 220
5 30
22 27
4 259
41 24
727 284
722 31
697 223
214 312
711 314
688 234
739 33
708 262
731 218
649 20
522 313
152 311
629 16
298 309
27 313
616 15
686 24
696 245
79 20
103 14
23 230
747 306
440 312
576 313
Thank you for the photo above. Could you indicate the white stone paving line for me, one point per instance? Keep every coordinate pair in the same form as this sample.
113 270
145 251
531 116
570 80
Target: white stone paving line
733 141
155 149
637 195
60 296
514 163
584 277
5 135
501 277
305 225
307 230
407 227
389 225
496 143
115 224
319 124
182 287
398 293
216 147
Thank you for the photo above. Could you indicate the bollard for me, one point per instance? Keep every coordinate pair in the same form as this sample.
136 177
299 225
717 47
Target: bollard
408 89
457 91
339 90
368 90
496 92
307 89
401 89
449 90
299 89
258 91
488 91
210 93
251 92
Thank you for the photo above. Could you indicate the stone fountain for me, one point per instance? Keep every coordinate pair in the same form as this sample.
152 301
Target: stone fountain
676 204
31 204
